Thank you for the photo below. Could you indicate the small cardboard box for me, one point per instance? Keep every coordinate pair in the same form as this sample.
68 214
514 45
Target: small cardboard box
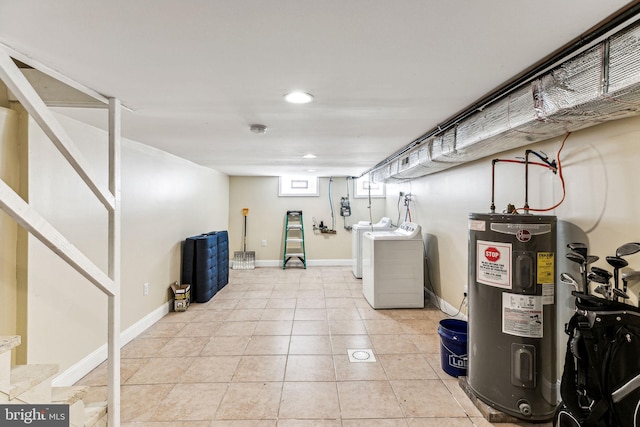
181 296
180 305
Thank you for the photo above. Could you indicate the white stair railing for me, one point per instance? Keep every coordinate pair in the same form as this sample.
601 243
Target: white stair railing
28 218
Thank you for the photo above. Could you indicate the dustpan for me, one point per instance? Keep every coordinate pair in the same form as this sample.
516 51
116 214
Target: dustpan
244 260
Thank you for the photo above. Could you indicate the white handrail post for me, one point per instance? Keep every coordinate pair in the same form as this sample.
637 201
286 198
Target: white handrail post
113 401
35 106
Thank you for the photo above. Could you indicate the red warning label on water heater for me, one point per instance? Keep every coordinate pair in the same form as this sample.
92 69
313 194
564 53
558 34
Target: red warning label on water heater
493 264
492 254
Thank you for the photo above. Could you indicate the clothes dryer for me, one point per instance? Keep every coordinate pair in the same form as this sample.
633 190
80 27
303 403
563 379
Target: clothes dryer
357 231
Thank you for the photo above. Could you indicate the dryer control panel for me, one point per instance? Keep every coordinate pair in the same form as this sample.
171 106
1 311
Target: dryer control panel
409 229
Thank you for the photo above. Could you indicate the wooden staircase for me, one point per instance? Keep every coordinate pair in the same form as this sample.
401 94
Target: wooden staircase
31 384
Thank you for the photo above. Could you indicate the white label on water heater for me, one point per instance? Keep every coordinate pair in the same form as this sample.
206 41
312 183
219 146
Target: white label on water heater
548 293
477 225
493 264
522 315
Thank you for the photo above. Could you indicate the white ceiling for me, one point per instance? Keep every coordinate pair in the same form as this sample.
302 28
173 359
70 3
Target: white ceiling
197 73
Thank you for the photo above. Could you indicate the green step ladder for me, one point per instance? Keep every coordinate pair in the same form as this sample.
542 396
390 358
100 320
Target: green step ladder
294 239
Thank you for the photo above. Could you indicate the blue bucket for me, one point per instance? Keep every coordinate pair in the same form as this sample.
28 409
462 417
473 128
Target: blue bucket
453 346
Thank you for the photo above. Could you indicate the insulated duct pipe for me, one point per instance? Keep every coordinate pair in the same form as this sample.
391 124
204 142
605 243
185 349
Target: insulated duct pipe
535 105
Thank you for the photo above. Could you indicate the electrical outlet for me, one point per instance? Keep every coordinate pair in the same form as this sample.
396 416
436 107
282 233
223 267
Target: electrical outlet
264 243
145 289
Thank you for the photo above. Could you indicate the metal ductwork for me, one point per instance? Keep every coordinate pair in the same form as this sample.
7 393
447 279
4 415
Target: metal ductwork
596 86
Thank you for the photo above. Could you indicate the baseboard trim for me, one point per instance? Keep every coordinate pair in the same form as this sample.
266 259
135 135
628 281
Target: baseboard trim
447 308
75 372
310 263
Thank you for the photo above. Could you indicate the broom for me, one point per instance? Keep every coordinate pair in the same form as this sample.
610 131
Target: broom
243 260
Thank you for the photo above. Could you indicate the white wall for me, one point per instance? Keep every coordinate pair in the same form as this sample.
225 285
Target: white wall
164 200
267 214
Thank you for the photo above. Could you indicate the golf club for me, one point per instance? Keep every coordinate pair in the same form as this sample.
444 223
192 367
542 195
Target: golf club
602 290
579 248
617 263
576 257
592 258
582 261
568 279
599 278
620 294
601 272
626 277
628 249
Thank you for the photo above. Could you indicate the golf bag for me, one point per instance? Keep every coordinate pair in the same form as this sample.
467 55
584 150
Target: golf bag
601 379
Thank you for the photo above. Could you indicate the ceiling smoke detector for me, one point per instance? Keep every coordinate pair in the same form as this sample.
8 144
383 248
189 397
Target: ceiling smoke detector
258 128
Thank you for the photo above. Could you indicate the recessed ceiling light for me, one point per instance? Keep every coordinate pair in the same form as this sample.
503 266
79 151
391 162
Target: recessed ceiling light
311 170
298 97
309 156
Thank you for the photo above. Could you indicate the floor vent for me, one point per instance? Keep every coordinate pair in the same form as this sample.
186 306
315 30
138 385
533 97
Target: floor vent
361 355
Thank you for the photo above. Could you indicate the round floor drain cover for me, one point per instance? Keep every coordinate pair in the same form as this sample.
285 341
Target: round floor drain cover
361 355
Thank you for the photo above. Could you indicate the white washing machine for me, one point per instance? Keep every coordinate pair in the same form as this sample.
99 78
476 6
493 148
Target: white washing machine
393 267
357 231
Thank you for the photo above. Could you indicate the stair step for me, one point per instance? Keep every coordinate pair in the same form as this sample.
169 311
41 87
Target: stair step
72 396
25 377
68 395
8 343
95 414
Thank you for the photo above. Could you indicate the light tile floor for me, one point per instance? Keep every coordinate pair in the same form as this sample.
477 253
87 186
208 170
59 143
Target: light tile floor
270 349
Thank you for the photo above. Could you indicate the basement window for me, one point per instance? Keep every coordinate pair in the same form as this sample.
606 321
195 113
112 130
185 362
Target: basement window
364 188
298 186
